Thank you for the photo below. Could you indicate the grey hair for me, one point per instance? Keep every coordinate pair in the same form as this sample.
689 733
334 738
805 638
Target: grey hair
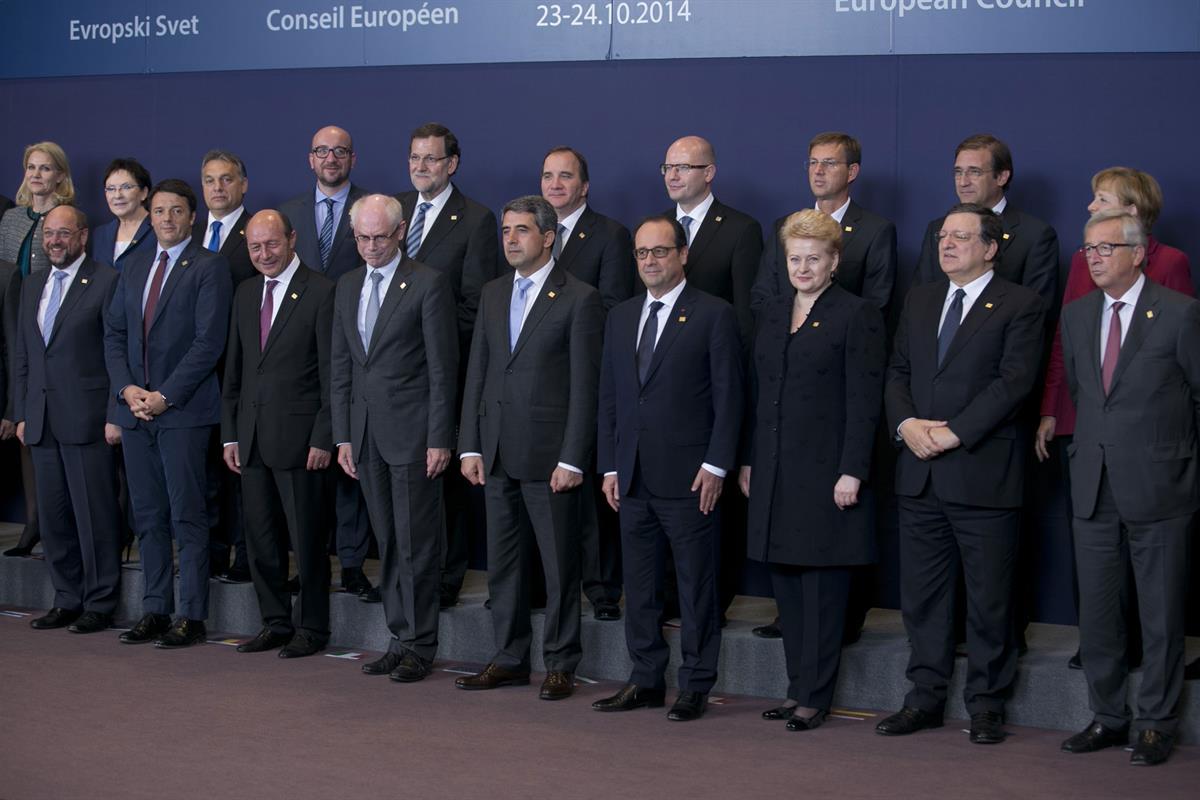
391 207
1131 227
543 212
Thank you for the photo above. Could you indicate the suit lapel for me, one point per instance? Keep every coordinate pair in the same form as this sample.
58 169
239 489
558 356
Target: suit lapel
34 299
672 326
578 239
343 227
1092 338
850 224
350 313
306 228
236 236
550 293
286 303
708 230
981 310
397 290
79 286
1011 220
445 222
1145 314
174 279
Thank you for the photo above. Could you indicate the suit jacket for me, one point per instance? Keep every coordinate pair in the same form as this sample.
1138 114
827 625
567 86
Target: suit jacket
1144 432
234 251
343 253
404 385
5 204
535 406
278 398
600 253
723 260
62 384
187 336
689 411
104 240
867 266
463 244
1028 254
987 373
10 293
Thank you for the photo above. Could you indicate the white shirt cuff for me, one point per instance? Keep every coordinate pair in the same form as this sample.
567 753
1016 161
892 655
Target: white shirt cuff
720 473
569 468
461 456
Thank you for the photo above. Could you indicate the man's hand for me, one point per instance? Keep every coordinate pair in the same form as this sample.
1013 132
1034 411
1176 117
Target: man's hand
135 398
7 429
472 469
944 438
845 491
609 487
709 486
346 460
317 459
436 461
20 431
915 433
744 480
112 434
1043 438
156 403
232 459
564 480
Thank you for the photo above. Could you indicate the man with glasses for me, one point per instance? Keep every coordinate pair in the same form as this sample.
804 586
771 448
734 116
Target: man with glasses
61 401
965 358
1132 355
393 366
457 236
326 244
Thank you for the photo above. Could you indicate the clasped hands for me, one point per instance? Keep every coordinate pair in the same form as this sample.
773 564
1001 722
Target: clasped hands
928 438
143 404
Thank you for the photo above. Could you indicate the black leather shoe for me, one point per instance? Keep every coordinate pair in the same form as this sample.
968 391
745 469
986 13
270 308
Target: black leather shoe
630 697
411 669
266 639
1075 662
300 646
1151 748
383 665
798 723
447 597
779 713
493 677
147 629
184 633
91 622
558 685
371 595
55 618
987 727
354 581
235 574
606 612
769 631
688 706
18 552
909 720
1192 671
1096 736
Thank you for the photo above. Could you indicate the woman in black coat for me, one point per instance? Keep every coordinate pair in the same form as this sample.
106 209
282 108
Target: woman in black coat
816 395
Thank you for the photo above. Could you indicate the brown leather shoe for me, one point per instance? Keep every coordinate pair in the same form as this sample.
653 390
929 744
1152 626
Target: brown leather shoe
558 685
493 677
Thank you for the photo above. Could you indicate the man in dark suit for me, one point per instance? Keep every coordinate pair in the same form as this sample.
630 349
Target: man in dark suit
527 435
394 363
164 333
453 234
325 244
61 401
5 204
670 413
10 293
599 251
1132 356
275 427
965 358
724 250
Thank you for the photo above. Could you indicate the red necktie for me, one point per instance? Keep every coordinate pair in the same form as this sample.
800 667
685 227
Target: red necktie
148 314
264 315
1112 348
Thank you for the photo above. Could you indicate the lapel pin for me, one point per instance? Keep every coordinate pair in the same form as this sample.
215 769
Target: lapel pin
295 296
242 232
403 285
1149 314
83 281
551 295
718 219
582 235
183 263
1006 237
683 319
132 243
816 324
454 217
849 228
987 305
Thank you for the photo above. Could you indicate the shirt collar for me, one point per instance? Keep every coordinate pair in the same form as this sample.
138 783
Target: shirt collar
572 219
1003 204
838 212
389 268
669 299
339 198
72 268
226 220
439 201
288 273
1131 296
699 212
538 277
975 287
173 251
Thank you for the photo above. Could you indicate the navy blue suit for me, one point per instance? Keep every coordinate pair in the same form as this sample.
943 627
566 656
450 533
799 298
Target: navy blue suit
104 240
164 458
655 437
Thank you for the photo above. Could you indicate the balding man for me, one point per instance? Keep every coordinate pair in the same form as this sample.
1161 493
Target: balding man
394 367
275 425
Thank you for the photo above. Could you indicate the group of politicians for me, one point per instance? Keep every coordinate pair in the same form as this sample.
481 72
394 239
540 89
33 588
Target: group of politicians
642 410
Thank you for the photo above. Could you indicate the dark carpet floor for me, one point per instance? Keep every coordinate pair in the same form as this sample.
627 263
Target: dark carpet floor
86 717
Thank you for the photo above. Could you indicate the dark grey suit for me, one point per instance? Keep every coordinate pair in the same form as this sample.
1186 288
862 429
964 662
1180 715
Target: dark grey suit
391 402
526 410
1134 472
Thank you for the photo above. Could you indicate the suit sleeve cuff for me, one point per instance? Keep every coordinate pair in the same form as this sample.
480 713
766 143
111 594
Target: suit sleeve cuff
461 456
570 468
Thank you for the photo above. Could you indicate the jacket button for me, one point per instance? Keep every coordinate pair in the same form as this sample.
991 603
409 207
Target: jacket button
508 372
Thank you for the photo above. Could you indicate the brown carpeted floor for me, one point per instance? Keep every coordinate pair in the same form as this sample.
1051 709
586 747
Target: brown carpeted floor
86 717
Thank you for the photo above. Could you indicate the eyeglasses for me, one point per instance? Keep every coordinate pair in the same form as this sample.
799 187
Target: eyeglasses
642 253
682 169
61 233
425 161
338 152
124 187
959 236
377 240
974 173
827 163
1104 249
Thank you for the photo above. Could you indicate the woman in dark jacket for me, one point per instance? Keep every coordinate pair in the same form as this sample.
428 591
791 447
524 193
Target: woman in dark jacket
126 187
816 394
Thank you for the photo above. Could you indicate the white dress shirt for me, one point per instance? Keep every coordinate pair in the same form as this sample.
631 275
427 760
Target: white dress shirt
697 214
569 222
1130 299
972 289
388 271
280 292
227 223
431 213
838 212
72 270
173 253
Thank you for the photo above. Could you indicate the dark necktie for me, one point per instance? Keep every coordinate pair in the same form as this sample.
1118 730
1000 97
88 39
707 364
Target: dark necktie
325 237
265 314
559 241
645 350
417 230
950 324
156 283
1112 348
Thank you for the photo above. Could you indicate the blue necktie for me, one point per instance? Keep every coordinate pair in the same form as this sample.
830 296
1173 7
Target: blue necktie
56 292
214 241
372 309
645 350
686 222
325 237
413 243
950 324
560 241
516 311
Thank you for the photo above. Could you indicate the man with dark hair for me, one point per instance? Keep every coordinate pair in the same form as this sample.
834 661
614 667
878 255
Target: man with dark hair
527 433
164 333
457 236
965 359
224 182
